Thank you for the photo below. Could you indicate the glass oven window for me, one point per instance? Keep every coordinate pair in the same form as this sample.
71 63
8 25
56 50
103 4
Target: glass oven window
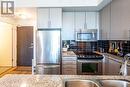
89 67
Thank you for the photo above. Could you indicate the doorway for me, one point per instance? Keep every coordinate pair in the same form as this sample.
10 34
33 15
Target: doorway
24 45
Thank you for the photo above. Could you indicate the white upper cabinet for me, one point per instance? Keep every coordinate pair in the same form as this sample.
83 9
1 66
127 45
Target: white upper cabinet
88 20
79 20
49 17
92 20
76 21
68 31
56 17
42 17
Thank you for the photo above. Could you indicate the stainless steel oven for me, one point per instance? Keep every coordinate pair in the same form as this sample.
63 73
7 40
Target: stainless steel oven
89 67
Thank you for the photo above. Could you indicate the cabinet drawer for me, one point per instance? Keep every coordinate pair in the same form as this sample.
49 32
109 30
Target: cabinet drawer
69 58
69 62
69 71
69 66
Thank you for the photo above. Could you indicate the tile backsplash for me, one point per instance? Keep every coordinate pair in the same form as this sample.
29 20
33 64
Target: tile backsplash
76 46
64 42
100 45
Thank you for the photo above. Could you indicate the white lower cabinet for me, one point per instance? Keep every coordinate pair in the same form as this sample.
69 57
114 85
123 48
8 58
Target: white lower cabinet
128 70
112 67
69 65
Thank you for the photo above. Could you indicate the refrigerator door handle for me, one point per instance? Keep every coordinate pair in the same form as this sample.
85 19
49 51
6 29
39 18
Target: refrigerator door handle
31 47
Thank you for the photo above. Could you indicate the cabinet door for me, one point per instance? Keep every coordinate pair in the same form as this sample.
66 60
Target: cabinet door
68 31
105 25
114 67
69 71
79 20
69 65
55 17
106 65
91 20
119 19
42 17
128 70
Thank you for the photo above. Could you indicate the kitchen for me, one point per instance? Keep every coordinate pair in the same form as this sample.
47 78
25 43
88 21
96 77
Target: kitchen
74 43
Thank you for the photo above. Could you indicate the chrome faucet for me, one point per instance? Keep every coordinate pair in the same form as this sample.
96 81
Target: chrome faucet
123 69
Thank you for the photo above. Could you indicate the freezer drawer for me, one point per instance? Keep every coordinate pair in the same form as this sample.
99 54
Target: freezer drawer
48 69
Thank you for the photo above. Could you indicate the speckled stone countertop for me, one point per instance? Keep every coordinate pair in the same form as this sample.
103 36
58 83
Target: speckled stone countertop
114 57
68 54
15 80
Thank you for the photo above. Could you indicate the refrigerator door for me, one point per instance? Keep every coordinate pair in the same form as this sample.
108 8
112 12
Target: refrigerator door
48 46
48 69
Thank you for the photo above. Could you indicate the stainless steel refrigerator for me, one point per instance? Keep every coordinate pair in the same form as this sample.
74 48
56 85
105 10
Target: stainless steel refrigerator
48 51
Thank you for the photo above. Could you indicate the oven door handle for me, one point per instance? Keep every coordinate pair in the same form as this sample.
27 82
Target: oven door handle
90 61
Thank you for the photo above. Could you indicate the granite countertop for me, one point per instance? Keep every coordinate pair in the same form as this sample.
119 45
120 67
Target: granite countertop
116 58
15 80
68 54
113 57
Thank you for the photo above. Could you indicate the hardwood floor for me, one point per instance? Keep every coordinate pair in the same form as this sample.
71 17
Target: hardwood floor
4 69
21 70
18 70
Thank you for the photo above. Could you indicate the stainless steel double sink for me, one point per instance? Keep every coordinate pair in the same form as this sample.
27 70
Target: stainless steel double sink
96 83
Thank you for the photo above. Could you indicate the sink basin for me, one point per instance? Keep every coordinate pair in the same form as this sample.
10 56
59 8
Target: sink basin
81 83
97 83
114 83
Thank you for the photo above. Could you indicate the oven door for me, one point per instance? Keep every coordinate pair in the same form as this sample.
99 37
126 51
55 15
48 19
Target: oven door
89 67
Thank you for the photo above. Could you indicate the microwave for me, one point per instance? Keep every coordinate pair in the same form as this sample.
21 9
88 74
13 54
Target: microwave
87 35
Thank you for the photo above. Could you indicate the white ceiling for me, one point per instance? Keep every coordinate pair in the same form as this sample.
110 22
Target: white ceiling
30 12
101 4
61 3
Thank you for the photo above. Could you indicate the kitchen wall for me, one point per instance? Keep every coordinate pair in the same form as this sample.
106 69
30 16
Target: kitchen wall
10 21
23 17
6 45
26 16
29 19
115 21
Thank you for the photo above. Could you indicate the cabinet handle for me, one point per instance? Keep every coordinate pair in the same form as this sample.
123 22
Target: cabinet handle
85 26
49 23
120 66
